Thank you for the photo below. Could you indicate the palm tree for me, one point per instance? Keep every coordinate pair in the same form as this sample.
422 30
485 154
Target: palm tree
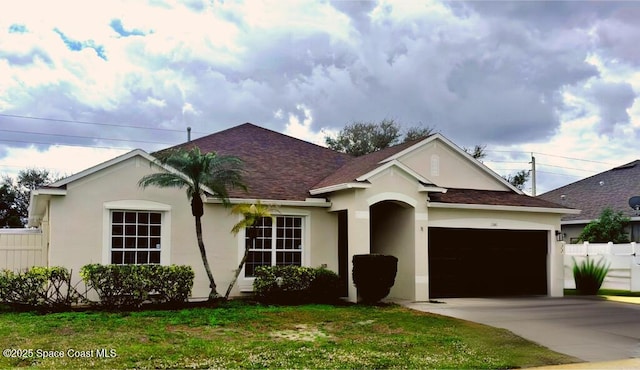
199 173
251 214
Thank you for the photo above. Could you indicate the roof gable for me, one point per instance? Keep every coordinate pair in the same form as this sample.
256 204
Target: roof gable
101 166
359 168
592 195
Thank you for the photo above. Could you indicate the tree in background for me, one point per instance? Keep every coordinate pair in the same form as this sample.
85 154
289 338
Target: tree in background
360 138
15 195
518 179
9 213
609 227
417 132
199 172
478 152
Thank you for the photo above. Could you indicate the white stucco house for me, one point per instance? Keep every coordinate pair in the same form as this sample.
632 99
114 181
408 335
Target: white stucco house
456 227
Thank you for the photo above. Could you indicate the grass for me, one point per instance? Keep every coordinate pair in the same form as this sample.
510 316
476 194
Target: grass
606 292
243 335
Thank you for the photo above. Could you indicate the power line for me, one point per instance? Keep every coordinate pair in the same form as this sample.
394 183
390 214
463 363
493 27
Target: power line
575 159
567 168
550 155
559 174
71 145
86 137
92 123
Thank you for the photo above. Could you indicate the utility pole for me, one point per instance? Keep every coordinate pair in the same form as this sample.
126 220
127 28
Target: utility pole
533 175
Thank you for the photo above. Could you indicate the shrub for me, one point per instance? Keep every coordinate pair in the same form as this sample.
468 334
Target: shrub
173 283
132 285
117 285
374 275
38 287
609 227
589 275
295 285
325 287
283 284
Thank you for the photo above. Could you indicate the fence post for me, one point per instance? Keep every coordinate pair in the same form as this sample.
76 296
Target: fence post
635 268
586 248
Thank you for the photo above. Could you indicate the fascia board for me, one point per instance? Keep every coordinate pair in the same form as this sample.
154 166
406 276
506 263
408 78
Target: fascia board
337 187
393 163
310 202
489 207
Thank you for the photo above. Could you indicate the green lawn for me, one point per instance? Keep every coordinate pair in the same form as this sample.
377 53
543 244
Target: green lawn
605 292
243 335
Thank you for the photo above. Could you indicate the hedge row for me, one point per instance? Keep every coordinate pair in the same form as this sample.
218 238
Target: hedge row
115 285
296 285
132 285
39 286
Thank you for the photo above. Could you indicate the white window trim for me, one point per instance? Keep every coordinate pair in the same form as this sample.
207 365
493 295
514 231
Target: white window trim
246 283
137 205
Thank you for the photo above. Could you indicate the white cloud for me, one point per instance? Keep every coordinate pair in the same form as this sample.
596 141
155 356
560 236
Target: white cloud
512 75
60 161
302 129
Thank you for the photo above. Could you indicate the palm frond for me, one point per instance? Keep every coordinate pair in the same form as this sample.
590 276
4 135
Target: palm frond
198 171
164 180
251 214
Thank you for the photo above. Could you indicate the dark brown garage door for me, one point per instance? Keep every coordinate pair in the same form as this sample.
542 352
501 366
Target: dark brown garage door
487 263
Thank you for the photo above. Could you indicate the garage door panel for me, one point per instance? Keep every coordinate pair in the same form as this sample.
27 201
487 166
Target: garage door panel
477 263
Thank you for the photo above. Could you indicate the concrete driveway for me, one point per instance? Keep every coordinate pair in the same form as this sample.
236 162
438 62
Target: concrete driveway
588 328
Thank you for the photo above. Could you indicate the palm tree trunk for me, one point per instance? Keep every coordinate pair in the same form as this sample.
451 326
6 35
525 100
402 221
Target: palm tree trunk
235 278
203 253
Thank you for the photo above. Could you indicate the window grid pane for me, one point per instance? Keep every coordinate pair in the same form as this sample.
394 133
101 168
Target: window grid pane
274 242
135 237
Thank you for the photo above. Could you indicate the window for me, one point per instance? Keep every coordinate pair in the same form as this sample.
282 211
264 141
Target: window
274 242
435 165
135 237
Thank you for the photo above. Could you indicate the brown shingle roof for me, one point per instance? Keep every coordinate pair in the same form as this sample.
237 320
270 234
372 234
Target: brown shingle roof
611 188
362 165
277 166
491 197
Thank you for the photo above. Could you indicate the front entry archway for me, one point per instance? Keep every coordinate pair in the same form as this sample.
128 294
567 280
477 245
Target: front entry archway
392 232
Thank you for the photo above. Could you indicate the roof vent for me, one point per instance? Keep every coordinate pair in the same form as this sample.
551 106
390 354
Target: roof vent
601 183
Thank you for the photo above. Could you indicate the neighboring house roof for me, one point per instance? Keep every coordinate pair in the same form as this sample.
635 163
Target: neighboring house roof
278 166
611 188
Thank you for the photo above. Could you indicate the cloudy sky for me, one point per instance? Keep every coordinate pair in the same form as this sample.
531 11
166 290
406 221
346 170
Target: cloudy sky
84 81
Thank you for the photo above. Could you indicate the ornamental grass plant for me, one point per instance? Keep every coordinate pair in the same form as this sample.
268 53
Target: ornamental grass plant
589 275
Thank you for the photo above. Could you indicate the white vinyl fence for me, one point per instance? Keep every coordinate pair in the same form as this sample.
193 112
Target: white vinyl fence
21 249
624 260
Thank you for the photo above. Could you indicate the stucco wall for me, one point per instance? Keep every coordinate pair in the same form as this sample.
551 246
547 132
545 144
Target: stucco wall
79 226
407 242
448 168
